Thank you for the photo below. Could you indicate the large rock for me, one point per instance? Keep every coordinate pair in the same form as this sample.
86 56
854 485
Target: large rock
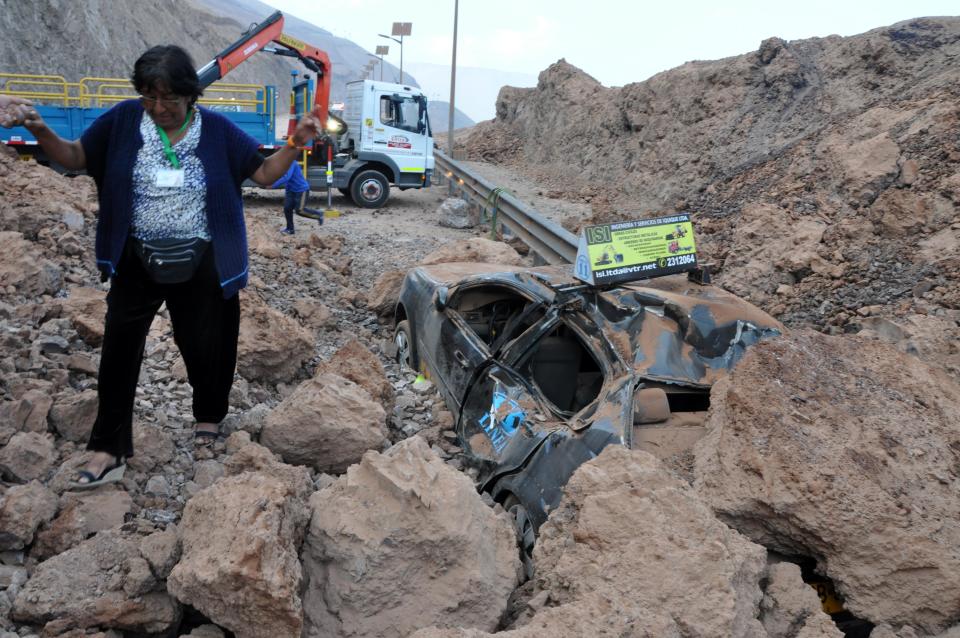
632 551
87 310
82 514
272 347
328 422
239 538
103 582
385 292
152 447
73 415
457 213
27 456
24 508
355 362
29 413
403 541
846 451
22 266
474 249
790 607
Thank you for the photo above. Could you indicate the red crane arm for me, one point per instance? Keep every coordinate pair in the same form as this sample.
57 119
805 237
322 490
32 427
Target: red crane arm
259 37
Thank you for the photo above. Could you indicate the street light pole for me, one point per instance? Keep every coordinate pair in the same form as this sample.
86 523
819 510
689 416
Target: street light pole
453 79
382 50
401 29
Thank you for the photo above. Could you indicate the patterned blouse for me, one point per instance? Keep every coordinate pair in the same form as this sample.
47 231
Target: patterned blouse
162 212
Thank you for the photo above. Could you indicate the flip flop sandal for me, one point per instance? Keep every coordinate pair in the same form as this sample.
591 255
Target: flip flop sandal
111 474
206 438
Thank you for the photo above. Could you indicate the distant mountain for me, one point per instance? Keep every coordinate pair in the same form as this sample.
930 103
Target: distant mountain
477 88
439 114
346 57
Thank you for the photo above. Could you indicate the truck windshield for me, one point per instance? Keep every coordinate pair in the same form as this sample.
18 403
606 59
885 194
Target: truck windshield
400 112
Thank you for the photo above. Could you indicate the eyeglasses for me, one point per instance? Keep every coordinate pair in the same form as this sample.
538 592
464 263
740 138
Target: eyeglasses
150 102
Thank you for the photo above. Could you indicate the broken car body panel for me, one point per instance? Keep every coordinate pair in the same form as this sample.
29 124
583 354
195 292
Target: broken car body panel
540 369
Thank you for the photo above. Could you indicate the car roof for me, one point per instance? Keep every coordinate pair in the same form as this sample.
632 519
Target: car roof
668 328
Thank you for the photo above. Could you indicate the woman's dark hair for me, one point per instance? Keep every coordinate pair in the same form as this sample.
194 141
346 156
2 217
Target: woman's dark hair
170 66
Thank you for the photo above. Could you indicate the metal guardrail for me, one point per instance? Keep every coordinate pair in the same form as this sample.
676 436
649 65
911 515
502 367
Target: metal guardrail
555 244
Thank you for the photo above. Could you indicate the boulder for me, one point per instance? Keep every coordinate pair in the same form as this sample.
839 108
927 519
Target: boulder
162 551
29 413
475 249
239 539
87 310
22 266
315 315
82 514
73 415
272 347
355 362
24 508
328 422
383 295
457 213
405 518
632 551
103 582
27 456
152 447
844 450
790 607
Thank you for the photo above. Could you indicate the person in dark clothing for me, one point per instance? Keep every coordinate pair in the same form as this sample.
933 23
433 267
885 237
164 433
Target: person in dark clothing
160 183
296 192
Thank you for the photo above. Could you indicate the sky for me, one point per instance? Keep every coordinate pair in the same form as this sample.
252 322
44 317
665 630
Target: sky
617 42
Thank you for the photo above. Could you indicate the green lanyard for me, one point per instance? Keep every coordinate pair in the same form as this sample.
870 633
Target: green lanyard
167 148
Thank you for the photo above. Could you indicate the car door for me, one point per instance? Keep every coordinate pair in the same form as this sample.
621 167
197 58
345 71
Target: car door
473 322
501 418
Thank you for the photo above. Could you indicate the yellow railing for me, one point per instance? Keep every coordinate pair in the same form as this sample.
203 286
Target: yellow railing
101 92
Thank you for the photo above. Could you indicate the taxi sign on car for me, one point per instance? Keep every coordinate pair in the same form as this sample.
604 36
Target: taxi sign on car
632 250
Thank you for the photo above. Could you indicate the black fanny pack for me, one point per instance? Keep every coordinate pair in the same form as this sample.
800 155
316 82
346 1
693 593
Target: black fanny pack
170 261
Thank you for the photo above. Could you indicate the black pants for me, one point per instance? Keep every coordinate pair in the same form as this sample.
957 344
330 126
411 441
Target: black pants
293 203
205 328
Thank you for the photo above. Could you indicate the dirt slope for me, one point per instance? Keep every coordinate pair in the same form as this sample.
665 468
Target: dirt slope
824 173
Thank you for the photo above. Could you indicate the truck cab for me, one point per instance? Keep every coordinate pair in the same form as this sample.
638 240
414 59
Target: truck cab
387 142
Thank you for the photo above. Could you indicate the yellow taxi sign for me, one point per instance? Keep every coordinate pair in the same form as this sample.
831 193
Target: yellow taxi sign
640 249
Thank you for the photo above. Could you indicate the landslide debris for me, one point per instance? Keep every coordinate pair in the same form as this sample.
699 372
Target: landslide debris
633 551
824 174
848 452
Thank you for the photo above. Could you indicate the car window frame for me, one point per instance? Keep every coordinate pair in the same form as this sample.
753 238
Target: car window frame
546 325
450 311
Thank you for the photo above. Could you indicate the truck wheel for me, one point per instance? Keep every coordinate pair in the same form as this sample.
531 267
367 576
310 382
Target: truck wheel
404 342
370 189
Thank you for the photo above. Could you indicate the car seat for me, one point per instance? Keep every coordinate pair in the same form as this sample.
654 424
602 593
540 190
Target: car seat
555 367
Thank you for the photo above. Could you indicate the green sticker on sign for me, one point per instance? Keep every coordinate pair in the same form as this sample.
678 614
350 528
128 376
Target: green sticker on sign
626 251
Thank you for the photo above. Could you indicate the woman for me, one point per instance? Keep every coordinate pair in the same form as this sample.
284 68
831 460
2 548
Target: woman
170 229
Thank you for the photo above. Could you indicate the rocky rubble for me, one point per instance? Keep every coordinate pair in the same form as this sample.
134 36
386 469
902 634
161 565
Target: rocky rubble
847 452
823 174
335 506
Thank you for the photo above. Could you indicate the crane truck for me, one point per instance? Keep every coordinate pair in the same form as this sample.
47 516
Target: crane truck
383 138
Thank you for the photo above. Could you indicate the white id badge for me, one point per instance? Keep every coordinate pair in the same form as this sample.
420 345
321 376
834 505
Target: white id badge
169 177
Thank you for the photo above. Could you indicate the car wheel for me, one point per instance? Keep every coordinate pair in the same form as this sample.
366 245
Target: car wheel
370 189
403 340
523 526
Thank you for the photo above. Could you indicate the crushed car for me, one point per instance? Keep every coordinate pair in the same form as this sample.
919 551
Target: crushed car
543 371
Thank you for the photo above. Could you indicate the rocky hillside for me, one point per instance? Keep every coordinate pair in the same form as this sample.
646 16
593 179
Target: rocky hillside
824 173
103 38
